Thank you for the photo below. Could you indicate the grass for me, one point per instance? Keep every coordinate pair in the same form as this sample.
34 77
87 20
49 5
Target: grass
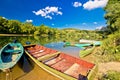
107 57
111 75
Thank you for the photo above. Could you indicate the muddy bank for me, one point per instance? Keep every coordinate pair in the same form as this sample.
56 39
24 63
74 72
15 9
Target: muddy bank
16 35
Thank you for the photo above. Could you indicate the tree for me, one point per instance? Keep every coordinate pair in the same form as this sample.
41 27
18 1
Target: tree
27 28
3 25
112 43
14 26
113 15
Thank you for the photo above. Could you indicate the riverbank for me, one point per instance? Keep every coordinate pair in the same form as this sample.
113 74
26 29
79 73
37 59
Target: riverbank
16 34
103 67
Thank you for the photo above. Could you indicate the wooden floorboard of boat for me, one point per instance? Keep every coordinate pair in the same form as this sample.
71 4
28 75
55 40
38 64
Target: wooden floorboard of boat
53 61
62 65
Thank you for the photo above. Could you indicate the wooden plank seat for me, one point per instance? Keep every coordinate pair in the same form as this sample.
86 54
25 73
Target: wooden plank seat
75 70
37 46
53 61
36 50
34 47
40 51
49 51
48 56
62 65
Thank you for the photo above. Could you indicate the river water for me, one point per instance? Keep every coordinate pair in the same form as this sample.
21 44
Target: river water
26 69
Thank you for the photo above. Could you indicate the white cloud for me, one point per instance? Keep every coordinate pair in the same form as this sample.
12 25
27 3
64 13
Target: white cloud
3 17
60 13
29 21
77 4
48 17
53 24
99 28
93 4
84 24
95 23
48 12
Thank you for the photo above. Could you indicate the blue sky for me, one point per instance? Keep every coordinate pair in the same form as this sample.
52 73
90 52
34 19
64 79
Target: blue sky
81 14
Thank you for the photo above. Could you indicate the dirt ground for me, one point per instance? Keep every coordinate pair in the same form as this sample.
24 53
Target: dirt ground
102 67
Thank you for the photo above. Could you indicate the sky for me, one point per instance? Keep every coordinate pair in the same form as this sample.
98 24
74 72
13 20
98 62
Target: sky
79 14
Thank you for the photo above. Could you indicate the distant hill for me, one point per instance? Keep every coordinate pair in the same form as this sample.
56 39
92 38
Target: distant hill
70 29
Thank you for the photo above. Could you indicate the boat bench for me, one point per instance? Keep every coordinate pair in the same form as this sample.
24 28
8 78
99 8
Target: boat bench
53 61
48 56
12 51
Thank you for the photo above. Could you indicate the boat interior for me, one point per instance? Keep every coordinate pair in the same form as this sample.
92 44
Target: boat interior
10 53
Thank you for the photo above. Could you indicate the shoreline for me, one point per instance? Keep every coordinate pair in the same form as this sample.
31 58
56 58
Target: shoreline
16 35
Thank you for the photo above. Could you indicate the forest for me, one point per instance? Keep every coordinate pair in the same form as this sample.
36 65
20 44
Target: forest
17 27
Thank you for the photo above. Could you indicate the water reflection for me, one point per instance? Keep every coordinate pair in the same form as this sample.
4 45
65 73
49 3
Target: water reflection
71 50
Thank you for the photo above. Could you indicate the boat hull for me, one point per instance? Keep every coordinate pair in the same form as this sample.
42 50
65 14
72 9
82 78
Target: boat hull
86 52
59 64
96 43
10 55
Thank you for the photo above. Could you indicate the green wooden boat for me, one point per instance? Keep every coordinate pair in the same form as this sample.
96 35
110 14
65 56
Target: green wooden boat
59 64
10 55
96 43
86 51
81 45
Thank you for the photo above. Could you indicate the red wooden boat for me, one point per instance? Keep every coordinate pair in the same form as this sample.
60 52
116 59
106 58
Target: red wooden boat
58 63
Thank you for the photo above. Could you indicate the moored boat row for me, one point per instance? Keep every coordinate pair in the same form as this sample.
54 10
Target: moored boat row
59 64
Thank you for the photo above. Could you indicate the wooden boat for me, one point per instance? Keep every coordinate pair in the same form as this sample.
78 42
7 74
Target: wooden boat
96 43
81 45
59 64
10 54
86 51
